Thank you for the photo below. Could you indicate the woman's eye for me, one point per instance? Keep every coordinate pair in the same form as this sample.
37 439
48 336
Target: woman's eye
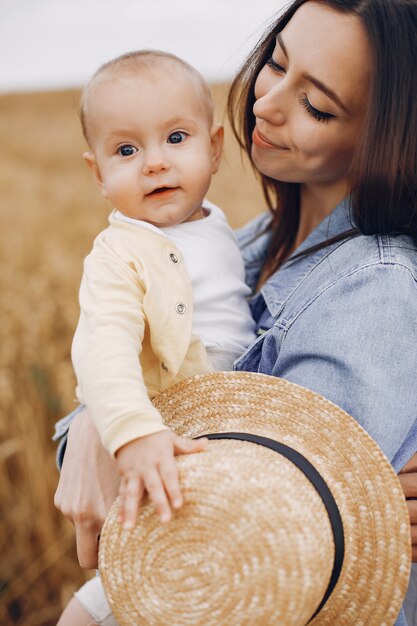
320 116
275 66
126 150
177 137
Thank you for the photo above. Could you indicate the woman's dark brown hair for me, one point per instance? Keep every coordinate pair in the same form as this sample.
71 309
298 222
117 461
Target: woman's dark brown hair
383 175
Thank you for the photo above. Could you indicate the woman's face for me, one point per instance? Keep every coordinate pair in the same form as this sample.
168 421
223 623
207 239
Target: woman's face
311 98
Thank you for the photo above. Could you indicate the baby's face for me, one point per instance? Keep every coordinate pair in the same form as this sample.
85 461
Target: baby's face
153 148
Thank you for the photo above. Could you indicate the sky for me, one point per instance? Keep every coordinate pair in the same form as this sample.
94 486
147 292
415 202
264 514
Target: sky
58 44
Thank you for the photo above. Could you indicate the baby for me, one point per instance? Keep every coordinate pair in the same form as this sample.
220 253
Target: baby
163 295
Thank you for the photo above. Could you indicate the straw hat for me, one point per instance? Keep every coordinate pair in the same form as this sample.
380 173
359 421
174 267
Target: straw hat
256 544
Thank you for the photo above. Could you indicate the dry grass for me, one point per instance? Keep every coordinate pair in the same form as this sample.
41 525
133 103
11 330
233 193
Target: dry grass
50 213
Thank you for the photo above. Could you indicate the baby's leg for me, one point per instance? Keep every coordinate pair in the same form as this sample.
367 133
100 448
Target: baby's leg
88 607
75 614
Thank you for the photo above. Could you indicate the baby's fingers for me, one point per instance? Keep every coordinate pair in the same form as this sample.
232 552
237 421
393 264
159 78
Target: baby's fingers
169 475
131 493
183 445
156 491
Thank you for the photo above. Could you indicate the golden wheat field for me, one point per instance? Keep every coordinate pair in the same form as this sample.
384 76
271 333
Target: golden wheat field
50 213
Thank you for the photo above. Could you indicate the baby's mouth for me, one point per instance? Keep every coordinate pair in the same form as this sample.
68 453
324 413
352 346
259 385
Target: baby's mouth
161 191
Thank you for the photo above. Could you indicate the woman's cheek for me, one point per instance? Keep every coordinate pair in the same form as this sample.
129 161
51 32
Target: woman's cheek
314 140
306 135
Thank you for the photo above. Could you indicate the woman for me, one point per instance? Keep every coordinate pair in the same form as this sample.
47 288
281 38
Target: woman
328 113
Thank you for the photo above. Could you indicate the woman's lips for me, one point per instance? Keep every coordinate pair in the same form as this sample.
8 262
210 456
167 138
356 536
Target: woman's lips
261 141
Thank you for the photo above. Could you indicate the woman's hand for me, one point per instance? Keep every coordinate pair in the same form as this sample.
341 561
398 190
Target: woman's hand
88 486
408 479
148 465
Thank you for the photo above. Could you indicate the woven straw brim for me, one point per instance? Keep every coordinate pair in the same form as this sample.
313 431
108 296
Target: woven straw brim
253 544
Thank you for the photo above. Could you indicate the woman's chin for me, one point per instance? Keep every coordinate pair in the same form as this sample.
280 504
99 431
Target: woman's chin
274 168
275 173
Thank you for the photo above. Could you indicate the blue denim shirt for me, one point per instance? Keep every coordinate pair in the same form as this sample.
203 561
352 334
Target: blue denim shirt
342 321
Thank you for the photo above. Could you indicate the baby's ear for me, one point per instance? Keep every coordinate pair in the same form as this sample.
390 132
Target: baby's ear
217 137
91 161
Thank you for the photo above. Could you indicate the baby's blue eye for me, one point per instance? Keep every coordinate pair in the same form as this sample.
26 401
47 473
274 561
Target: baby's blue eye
126 150
177 137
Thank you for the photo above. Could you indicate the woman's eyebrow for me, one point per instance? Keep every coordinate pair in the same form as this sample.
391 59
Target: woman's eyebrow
281 43
315 81
326 90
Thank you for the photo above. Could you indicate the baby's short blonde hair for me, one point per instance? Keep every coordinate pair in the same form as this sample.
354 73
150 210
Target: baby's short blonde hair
140 61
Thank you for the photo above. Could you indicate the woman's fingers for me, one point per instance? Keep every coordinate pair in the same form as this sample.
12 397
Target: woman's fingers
409 484
87 546
412 510
88 485
414 539
408 480
411 466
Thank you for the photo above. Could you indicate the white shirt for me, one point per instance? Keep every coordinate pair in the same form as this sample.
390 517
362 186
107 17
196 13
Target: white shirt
221 314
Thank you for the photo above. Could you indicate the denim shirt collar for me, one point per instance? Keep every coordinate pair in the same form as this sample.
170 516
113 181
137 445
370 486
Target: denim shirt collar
284 282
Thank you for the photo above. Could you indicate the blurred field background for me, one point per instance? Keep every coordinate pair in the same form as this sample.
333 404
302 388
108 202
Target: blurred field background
50 213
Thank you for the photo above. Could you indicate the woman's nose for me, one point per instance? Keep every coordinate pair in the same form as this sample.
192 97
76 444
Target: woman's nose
155 161
270 104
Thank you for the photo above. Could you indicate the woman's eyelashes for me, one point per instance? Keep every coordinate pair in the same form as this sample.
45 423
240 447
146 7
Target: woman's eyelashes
320 116
275 66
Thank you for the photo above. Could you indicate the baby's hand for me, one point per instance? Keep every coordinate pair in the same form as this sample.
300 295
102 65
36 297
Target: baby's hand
148 464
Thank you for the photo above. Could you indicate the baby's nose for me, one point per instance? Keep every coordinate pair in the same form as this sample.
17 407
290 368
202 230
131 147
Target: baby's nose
155 161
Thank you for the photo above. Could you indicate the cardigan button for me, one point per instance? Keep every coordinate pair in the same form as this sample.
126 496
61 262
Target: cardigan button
164 367
180 308
173 257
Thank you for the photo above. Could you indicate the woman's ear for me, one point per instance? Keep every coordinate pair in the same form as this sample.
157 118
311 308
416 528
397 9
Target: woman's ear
216 137
91 161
